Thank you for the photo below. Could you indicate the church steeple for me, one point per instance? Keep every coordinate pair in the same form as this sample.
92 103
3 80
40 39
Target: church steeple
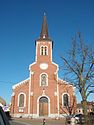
44 30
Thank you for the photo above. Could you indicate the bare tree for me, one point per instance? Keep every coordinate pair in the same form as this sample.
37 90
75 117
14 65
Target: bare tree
70 108
79 68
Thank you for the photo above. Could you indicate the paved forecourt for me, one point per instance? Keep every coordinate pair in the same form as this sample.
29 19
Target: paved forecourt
23 121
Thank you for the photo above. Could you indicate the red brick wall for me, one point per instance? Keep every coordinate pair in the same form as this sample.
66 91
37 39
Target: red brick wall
23 88
37 90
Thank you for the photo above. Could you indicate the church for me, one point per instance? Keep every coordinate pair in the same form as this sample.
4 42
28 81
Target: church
43 93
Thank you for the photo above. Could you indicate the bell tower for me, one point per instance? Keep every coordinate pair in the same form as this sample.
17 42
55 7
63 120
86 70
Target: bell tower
43 76
44 44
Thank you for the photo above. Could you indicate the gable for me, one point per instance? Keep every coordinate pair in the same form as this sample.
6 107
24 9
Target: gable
20 83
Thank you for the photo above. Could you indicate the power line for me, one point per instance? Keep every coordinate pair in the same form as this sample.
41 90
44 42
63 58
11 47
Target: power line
7 82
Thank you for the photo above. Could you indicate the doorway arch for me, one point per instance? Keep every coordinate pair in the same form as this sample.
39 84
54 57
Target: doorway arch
43 106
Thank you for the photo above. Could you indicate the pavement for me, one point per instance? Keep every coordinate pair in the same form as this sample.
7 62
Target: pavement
24 121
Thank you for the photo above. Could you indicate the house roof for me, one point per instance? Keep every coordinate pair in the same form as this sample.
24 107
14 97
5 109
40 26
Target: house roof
79 105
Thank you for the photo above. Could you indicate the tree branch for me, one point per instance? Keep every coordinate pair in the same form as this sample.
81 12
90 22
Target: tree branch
87 75
71 68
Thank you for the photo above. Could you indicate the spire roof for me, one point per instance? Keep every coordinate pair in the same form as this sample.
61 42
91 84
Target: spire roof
44 30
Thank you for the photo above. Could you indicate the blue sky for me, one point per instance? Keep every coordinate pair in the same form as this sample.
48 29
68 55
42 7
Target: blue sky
20 26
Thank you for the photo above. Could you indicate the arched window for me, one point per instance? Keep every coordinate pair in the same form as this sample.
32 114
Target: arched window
65 100
43 50
21 100
43 79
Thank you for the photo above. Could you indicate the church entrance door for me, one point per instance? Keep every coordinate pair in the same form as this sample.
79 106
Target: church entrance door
43 106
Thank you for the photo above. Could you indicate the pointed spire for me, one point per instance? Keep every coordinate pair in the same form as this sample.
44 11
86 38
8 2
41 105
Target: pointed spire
44 30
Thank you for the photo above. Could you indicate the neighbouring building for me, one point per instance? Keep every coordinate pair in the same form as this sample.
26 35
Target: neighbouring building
43 94
90 108
2 102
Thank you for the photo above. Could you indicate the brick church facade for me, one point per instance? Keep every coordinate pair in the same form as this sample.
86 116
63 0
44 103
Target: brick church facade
43 94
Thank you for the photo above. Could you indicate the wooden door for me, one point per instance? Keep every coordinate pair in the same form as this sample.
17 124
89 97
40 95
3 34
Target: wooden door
43 106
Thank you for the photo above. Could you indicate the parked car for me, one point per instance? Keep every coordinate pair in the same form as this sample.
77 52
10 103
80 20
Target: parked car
91 113
77 119
68 119
90 118
7 111
3 117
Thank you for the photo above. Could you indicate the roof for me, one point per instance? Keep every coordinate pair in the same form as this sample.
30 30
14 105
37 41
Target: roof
79 105
20 83
44 30
61 81
44 35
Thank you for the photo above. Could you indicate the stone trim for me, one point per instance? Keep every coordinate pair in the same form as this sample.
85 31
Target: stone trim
20 83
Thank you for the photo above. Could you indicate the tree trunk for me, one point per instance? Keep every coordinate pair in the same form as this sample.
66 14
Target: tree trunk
84 106
84 99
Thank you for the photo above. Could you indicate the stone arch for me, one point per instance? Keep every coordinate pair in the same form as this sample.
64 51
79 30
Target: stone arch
43 106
